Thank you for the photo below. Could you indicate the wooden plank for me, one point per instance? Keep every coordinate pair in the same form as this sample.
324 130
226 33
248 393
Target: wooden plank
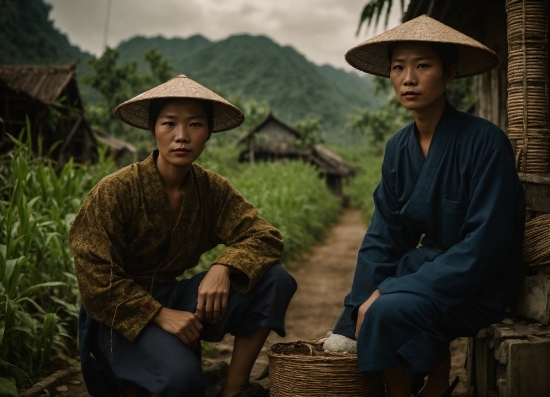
533 300
482 359
471 367
537 196
543 179
527 370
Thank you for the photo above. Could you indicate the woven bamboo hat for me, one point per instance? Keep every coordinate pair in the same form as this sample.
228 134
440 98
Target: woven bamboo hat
371 56
135 111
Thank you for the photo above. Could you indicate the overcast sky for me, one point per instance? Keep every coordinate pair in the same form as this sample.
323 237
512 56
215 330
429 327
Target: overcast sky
322 30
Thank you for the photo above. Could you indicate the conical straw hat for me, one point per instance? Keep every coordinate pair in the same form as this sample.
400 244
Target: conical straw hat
135 111
371 56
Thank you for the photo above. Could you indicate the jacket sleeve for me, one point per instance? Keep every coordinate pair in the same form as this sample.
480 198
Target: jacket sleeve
252 244
493 221
97 238
385 242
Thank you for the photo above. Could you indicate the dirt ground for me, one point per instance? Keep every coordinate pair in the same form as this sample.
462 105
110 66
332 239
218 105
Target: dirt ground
324 277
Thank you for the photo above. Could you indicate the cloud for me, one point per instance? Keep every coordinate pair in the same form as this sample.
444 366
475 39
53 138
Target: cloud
322 30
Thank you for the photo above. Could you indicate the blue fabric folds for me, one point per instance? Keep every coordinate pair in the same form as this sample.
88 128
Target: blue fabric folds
159 362
465 206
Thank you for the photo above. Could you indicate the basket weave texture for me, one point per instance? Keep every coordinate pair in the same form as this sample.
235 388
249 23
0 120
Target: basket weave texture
300 369
528 106
536 248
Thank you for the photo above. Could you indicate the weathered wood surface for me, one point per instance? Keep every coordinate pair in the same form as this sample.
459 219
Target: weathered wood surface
543 179
512 359
537 191
528 361
533 299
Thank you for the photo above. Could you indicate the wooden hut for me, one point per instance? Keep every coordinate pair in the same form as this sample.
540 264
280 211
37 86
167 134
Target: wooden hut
117 147
332 167
512 358
49 97
272 139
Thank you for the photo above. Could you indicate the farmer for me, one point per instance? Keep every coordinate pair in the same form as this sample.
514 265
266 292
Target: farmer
442 254
142 226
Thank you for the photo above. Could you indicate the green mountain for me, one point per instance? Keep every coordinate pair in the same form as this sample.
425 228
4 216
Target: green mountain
176 50
257 67
28 36
250 66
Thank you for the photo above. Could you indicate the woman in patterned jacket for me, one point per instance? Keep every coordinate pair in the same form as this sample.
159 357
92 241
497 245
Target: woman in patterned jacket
142 227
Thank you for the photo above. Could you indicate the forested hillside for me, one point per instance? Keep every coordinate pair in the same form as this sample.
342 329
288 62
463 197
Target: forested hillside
254 67
28 36
259 68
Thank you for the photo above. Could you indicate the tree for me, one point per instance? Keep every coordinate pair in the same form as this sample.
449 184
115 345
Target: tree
254 112
378 125
373 10
310 128
119 82
161 68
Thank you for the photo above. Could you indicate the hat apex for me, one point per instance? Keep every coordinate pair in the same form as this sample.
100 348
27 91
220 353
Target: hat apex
135 111
371 56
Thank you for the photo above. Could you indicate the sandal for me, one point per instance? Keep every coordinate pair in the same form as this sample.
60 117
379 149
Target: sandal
446 393
418 382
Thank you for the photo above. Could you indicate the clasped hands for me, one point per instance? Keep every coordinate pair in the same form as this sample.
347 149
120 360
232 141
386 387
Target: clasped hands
363 309
212 303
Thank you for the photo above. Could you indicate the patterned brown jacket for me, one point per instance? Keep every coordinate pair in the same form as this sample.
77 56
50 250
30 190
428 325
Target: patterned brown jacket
125 241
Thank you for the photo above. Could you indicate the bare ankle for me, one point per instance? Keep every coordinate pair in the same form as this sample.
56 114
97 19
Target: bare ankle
229 389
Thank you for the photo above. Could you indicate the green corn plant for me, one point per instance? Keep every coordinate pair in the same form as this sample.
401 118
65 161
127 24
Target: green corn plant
39 298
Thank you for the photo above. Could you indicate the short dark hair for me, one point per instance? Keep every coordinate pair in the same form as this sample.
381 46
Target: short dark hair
157 104
447 52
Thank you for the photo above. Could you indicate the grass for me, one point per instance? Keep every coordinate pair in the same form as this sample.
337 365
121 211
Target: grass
289 195
39 298
369 164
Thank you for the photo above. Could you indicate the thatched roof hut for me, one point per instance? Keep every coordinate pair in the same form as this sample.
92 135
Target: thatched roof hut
272 139
116 146
49 97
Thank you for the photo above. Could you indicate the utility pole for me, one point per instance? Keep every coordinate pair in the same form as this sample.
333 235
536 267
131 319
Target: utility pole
107 21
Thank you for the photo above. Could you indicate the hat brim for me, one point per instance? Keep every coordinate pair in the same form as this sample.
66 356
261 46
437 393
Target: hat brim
371 56
135 111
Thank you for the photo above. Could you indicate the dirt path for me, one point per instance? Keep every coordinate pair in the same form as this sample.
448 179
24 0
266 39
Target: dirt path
324 277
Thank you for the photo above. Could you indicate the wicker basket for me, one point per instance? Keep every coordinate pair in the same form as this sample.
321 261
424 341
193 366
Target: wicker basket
536 248
300 369
528 107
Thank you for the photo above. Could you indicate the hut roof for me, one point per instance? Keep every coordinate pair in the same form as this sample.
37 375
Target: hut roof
330 162
113 143
44 83
269 117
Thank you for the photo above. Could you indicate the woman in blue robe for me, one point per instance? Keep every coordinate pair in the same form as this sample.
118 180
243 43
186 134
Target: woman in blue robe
442 254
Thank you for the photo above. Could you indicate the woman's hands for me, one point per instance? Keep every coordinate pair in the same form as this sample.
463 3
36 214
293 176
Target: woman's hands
214 294
185 325
211 306
363 309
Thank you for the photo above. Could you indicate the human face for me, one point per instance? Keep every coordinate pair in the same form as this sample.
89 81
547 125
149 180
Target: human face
181 132
417 76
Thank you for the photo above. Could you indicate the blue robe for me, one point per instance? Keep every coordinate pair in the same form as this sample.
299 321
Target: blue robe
443 247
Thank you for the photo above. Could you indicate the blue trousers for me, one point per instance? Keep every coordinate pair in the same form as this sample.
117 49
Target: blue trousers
414 331
158 362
